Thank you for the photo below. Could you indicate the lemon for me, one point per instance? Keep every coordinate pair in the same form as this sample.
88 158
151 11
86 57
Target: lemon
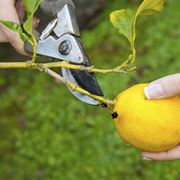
151 125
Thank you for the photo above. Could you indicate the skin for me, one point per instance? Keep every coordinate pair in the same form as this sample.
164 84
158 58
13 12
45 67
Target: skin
170 87
170 84
12 10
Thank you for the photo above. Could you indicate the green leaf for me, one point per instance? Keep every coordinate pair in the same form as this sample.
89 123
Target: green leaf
150 7
11 25
17 28
30 6
28 25
122 20
125 20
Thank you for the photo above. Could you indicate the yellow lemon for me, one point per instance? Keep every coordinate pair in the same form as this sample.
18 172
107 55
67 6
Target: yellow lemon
151 125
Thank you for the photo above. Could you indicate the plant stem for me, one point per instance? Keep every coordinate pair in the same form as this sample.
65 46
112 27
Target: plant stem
119 69
74 87
45 67
15 65
34 48
30 64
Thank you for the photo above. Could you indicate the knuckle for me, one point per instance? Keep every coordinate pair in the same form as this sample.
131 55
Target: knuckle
11 36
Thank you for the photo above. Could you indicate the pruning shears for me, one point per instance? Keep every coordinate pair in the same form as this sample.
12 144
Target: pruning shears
61 40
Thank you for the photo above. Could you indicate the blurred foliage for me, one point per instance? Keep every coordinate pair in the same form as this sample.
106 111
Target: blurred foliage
45 133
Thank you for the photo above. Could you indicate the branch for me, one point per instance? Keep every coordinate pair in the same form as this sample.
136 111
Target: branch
29 64
74 87
16 65
119 69
34 49
45 68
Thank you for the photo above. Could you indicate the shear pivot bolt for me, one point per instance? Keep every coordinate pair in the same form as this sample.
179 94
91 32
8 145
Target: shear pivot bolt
65 47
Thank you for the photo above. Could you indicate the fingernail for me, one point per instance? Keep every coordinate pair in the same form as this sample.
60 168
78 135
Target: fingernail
28 48
154 91
146 159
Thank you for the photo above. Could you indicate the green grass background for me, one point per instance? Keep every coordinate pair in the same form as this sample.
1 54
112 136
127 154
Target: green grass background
45 133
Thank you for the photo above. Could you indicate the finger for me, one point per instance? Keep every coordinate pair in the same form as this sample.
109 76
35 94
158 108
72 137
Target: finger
173 154
20 9
2 37
163 88
21 13
12 37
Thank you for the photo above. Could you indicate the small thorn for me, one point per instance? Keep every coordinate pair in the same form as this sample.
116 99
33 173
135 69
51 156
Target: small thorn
104 105
114 115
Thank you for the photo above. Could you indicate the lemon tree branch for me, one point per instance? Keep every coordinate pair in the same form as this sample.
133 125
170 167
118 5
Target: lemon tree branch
44 68
34 49
74 87
30 64
119 69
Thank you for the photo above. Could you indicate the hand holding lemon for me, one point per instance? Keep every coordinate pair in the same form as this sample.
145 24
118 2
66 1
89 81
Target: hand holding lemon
170 87
151 124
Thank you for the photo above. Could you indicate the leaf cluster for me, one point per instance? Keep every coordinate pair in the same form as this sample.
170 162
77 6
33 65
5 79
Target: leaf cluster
125 20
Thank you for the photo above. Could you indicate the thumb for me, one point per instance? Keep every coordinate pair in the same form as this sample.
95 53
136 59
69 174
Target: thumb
163 88
9 13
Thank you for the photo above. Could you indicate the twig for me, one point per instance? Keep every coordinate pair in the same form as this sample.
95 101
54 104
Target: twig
46 68
74 87
29 64
16 65
119 69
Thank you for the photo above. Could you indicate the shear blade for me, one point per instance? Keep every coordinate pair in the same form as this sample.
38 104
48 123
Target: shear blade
87 81
84 80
